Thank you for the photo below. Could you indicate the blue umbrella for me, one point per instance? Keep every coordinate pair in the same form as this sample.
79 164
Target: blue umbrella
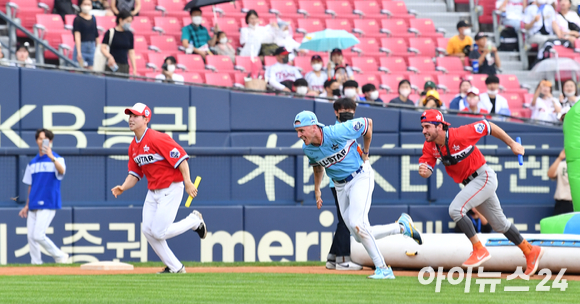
328 40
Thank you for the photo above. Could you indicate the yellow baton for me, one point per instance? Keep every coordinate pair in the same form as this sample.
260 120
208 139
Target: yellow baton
196 184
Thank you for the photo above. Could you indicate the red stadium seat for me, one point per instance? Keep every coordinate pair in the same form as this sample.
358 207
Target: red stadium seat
391 82
478 81
232 9
193 77
364 65
424 28
303 64
140 62
148 9
396 28
441 47
245 64
422 46
219 79
446 98
396 10
168 26
269 60
220 63
26 11
449 83
156 60
67 44
368 47
340 8
171 7
309 25
192 63
421 65
142 26
68 21
284 8
312 9
163 44
418 81
388 97
510 83
339 24
368 9
393 65
514 100
363 79
229 25
395 47
521 112
104 23
450 65
260 6
140 44
53 29
368 28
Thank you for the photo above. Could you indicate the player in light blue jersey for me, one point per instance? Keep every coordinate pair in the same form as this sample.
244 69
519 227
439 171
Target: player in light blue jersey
43 175
334 149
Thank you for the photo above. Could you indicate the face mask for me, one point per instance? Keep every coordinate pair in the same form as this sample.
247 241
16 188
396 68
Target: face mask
494 92
350 93
569 94
374 95
196 20
317 67
301 90
171 68
127 26
224 40
345 116
86 9
467 32
285 59
336 92
405 92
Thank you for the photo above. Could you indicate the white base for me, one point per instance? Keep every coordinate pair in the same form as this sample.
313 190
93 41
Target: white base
107 265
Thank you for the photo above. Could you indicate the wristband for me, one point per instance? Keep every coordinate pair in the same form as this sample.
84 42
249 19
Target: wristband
366 153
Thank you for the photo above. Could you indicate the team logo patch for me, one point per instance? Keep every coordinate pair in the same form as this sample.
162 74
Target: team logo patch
146 148
479 127
335 146
174 153
456 147
438 117
357 125
146 112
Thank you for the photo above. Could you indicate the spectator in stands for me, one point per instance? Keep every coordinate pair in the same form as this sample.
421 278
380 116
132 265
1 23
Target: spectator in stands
568 21
341 75
132 6
256 39
569 98
371 93
317 76
281 75
473 105
350 90
514 12
491 101
428 86
223 47
337 60
195 37
432 100
544 106
121 45
168 72
540 22
86 36
101 8
331 90
460 44
459 102
486 54
23 56
1 52
301 88
563 196
283 37
404 92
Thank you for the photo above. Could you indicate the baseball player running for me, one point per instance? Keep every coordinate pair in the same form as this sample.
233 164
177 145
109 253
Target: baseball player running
463 161
333 149
164 163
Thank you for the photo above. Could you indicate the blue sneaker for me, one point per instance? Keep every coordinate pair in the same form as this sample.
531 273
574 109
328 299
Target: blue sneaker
409 229
382 273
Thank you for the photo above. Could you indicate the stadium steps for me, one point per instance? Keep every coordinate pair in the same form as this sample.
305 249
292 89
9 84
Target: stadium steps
446 20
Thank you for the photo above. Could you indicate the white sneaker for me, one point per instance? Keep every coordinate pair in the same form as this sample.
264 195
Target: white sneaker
350 265
63 259
330 265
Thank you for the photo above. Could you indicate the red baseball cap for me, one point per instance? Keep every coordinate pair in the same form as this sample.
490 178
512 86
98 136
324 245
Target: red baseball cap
433 116
139 109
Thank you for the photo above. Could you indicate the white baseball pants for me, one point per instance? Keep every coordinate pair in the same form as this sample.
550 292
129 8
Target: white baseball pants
354 200
159 212
36 223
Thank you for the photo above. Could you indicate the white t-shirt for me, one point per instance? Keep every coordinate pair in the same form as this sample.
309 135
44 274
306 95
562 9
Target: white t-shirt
252 39
279 72
177 79
544 109
549 16
568 17
500 103
316 83
513 10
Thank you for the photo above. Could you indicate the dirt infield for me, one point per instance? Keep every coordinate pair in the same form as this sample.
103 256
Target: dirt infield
7 271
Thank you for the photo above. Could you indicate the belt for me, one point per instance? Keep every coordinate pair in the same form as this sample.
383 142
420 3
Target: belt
470 178
350 177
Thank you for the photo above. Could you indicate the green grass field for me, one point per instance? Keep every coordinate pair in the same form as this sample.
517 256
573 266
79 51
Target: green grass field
260 288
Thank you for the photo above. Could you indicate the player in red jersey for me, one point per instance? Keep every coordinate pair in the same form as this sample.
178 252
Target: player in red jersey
463 161
164 163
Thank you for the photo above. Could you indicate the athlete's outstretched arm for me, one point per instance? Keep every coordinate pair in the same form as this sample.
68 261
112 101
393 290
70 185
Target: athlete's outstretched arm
189 186
367 140
129 183
318 175
500 134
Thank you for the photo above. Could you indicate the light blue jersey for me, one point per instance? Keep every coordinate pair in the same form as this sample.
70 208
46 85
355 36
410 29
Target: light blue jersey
338 151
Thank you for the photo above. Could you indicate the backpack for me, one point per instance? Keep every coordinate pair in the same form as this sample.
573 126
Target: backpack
508 39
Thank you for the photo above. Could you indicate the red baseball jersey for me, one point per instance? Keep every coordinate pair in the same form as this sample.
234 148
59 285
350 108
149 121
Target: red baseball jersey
462 140
156 156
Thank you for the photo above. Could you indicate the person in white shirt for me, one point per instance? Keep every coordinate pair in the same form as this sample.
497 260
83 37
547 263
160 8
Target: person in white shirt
168 72
281 75
569 98
540 22
253 36
317 76
491 101
514 12
336 61
568 21
545 107
563 196
23 56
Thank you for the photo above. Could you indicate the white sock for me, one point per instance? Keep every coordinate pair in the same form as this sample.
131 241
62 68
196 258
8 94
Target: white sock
381 231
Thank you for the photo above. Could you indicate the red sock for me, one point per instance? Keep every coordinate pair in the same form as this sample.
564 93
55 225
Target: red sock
477 246
525 247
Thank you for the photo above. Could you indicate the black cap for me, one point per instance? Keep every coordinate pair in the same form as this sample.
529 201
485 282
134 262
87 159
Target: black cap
24 45
301 82
479 35
491 79
281 51
336 51
350 84
463 23
316 57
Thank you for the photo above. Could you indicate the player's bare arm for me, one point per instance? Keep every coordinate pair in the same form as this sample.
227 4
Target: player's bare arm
367 140
59 167
24 211
500 134
189 186
129 183
424 171
318 175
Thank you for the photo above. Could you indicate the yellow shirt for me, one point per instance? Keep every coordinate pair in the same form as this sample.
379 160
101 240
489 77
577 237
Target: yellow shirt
455 45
